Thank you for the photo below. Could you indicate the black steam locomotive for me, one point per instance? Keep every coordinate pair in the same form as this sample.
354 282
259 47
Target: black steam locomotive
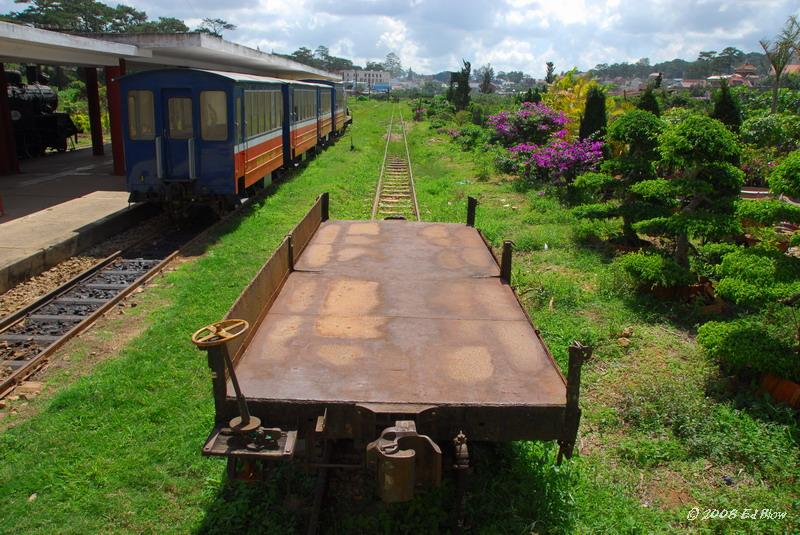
37 124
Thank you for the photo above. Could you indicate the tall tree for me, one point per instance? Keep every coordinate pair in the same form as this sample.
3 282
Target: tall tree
305 56
729 58
726 109
215 27
90 16
322 54
393 65
550 76
374 66
779 53
485 77
593 120
458 93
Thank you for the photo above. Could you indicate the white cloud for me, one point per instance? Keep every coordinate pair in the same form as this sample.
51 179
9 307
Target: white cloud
433 35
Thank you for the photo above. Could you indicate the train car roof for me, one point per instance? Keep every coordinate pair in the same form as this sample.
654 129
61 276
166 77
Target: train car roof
234 76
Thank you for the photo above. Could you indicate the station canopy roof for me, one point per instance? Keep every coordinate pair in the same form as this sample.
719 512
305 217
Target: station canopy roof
24 44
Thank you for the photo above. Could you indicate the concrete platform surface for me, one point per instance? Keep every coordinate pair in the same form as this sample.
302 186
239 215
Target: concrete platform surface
58 206
54 179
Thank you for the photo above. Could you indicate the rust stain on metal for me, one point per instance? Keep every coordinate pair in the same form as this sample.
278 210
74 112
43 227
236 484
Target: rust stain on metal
349 327
341 355
470 364
351 297
327 234
370 229
317 255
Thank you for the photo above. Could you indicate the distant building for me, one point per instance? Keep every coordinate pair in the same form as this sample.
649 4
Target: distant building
368 78
732 79
792 69
748 70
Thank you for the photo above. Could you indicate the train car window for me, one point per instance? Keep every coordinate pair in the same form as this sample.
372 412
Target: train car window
180 117
238 120
214 115
262 112
248 112
325 99
273 109
141 116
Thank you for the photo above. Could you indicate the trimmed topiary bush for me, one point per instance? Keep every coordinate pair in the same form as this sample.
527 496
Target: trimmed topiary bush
751 344
785 178
651 270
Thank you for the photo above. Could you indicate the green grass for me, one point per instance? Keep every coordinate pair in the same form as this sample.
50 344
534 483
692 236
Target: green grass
118 450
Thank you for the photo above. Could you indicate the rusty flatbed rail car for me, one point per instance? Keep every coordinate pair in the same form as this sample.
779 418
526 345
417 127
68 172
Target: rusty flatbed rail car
397 337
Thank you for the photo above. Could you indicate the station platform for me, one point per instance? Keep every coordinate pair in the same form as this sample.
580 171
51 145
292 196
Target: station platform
58 206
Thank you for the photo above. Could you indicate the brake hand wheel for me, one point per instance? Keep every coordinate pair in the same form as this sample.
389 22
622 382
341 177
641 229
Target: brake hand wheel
219 333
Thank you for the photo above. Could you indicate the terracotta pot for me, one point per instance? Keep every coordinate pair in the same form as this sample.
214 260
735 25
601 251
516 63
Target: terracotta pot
783 390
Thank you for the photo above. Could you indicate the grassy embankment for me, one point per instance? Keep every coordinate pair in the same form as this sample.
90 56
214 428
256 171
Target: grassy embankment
118 449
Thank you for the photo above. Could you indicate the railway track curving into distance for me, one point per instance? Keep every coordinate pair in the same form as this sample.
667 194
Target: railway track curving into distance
395 197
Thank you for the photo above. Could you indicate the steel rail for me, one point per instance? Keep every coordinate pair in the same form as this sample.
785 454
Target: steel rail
33 364
379 188
410 172
395 195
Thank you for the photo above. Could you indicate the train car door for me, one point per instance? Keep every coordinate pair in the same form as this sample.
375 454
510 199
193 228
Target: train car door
179 158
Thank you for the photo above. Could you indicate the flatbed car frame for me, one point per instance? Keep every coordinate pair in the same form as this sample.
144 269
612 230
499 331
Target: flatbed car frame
401 339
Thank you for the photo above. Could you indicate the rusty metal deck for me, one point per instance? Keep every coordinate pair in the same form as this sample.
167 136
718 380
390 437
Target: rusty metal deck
396 313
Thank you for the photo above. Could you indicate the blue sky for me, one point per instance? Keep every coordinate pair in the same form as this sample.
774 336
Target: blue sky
433 35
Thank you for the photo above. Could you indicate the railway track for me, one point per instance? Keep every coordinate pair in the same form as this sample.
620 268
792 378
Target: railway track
395 197
33 333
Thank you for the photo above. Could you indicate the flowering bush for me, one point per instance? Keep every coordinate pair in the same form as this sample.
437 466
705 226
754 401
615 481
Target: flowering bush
559 160
531 123
539 148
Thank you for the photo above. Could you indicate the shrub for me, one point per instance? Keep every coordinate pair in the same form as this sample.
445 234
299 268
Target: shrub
462 117
726 109
777 130
676 115
767 211
651 270
648 102
699 158
785 178
757 276
471 137
634 137
559 161
593 187
750 344
757 164
531 123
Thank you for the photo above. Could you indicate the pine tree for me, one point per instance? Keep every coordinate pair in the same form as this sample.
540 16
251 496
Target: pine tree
550 76
648 102
593 122
460 83
726 109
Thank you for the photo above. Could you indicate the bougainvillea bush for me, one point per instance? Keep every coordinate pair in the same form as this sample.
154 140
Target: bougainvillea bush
531 123
539 145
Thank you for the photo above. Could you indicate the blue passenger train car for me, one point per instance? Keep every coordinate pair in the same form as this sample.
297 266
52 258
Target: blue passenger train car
205 137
